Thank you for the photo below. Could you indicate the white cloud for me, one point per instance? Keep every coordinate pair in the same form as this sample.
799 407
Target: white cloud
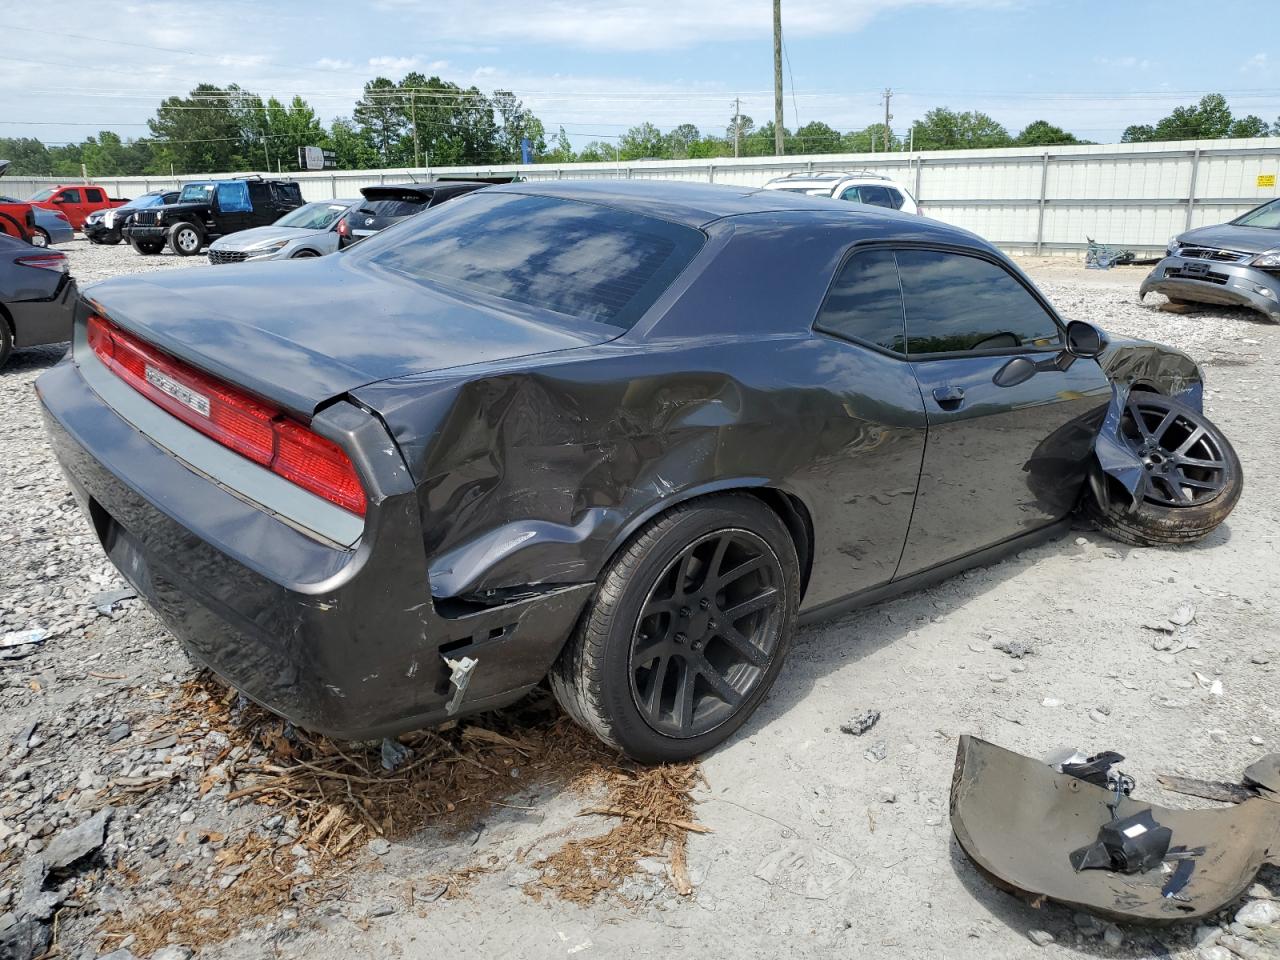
328 63
1256 64
634 25
1123 63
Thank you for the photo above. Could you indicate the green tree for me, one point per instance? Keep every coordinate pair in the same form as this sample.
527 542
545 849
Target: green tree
817 137
27 156
870 140
561 150
597 151
1043 133
1210 119
1250 126
517 123
681 142
944 129
291 127
455 125
351 145
380 116
203 132
644 141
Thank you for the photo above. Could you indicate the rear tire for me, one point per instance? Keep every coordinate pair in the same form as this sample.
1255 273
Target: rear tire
148 248
304 255
185 239
649 669
1181 501
6 340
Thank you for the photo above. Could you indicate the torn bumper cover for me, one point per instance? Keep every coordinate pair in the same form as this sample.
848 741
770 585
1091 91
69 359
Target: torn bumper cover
1019 821
343 640
1222 284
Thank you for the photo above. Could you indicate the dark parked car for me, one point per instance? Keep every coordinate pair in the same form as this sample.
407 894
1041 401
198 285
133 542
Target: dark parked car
1230 264
385 205
622 434
37 297
107 226
50 226
210 209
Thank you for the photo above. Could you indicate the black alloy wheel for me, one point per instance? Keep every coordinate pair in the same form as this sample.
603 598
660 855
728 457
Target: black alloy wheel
1184 465
706 633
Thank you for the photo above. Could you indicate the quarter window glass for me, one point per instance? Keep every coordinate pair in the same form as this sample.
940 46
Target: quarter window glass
895 198
93 196
865 302
959 303
851 194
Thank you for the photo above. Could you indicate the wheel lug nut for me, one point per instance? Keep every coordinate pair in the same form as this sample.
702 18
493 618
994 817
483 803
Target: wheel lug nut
681 638
684 612
704 603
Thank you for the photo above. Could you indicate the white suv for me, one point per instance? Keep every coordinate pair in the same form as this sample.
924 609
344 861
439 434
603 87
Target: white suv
861 187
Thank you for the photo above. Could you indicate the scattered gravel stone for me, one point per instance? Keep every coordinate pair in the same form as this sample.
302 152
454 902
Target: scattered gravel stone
118 733
885 795
861 723
1113 936
1014 648
80 841
877 752
173 952
1041 938
379 847
382 910
1259 913
1089 925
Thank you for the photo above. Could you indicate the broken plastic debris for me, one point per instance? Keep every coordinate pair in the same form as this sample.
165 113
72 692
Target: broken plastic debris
861 723
21 638
878 752
1184 615
1135 844
1018 821
460 677
394 754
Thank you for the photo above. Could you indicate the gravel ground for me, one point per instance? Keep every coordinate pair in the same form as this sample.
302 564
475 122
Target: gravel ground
815 850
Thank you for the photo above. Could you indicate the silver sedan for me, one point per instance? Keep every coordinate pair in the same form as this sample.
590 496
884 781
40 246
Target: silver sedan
309 231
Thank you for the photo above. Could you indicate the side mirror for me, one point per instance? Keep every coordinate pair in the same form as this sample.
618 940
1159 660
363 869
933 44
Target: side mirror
1084 340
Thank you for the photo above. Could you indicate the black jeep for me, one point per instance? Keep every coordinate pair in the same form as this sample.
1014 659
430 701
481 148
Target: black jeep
208 209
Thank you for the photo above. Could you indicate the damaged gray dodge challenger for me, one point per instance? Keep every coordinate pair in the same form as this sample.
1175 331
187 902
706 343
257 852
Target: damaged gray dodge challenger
621 436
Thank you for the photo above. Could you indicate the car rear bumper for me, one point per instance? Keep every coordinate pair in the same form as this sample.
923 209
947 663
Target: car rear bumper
345 641
38 322
1225 284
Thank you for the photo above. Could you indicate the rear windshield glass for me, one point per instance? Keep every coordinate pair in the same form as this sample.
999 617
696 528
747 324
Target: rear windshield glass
1267 215
313 216
146 200
391 208
577 259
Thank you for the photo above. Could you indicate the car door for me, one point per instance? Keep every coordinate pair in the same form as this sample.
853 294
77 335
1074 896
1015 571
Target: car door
71 203
875 437
233 207
999 461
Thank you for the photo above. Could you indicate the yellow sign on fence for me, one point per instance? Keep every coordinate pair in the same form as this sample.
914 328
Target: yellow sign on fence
1266 180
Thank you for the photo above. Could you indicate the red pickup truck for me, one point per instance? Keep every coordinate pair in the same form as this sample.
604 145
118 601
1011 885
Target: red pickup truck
76 201
17 221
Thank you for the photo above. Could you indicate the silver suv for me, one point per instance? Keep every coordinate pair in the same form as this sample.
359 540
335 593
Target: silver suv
860 187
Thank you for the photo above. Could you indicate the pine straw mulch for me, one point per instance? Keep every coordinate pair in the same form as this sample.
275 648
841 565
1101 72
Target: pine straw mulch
342 798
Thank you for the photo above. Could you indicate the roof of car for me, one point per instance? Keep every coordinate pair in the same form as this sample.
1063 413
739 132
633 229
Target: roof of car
698 204
426 189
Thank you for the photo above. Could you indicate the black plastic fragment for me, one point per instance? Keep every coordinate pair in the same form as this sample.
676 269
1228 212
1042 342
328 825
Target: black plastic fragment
1134 844
1180 877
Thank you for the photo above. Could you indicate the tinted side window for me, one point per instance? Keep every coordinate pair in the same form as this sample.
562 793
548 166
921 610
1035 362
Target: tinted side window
69 196
852 194
93 196
896 199
233 197
877 196
959 303
865 302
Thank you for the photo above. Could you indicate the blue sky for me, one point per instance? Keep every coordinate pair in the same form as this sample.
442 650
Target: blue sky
599 67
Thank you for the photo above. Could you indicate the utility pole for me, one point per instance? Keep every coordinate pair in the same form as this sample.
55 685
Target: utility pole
413 113
737 123
888 95
777 78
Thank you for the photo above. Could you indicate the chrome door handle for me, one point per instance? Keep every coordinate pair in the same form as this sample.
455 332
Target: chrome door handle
949 398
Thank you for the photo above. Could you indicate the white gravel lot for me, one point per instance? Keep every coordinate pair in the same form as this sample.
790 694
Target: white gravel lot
863 877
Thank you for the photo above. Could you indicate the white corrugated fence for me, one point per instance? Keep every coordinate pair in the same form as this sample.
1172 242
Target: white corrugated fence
1026 200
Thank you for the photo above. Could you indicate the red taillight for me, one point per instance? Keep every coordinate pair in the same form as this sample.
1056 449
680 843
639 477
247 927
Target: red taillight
45 261
231 417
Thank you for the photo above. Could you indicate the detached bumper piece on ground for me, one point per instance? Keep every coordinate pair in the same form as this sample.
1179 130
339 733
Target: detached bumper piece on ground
1062 836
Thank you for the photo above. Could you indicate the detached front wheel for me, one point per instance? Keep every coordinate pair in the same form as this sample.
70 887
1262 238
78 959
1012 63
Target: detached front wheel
686 632
1191 476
